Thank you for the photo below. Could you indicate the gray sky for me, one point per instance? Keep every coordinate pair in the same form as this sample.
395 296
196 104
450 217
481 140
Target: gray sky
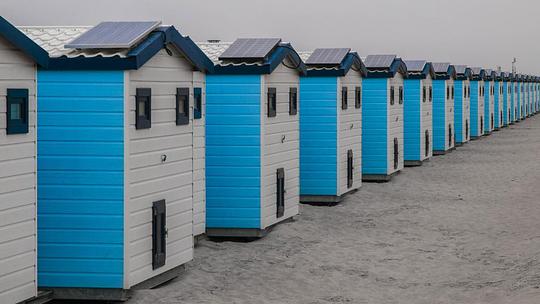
487 33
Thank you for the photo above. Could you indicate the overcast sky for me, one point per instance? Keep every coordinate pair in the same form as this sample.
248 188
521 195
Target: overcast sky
487 33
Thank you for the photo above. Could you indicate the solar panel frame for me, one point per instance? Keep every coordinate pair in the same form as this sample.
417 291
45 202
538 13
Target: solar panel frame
379 61
113 35
441 67
460 69
327 56
250 49
415 65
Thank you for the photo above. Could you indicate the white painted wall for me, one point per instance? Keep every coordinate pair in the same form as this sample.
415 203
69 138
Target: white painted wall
426 118
17 183
466 110
395 124
199 163
449 114
280 145
350 132
149 179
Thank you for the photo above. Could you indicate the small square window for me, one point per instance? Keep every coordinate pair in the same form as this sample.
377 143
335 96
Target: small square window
182 106
392 98
271 102
453 92
293 101
430 93
344 101
469 91
400 95
143 108
17 111
197 103
447 92
358 97
424 94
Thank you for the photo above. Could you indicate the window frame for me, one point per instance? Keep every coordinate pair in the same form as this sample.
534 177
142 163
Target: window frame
344 98
293 101
271 102
400 95
197 103
182 118
18 97
358 97
392 95
143 122
424 94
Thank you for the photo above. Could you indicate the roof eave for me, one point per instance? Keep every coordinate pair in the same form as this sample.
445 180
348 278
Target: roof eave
23 42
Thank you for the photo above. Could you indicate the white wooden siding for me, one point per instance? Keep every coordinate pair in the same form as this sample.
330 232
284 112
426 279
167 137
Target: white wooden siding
466 110
149 179
491 106
481 108
17 183
350 132
395 124
199 168
449 115
278 152
426 119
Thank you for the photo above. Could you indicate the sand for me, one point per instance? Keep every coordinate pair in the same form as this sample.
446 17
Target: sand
463 228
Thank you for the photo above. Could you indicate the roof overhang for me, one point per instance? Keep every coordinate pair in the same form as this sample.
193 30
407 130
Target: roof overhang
23 43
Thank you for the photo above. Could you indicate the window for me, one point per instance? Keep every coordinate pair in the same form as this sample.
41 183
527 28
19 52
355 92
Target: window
469 91
143 109
182 106
350 169
159 233
197 103
392 98
358 97
17 111
400 95
453 91
344 98
447 92
430 93
465 92
396 153
293 101
280 192
424 94
272 102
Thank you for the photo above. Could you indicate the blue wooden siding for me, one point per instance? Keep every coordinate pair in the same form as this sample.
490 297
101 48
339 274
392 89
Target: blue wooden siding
439 115
80 179
318 136
475 99
233 151
496 110
412 119
458 111
375 126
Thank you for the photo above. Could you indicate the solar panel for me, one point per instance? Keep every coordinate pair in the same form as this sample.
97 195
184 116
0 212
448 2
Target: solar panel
441 67
476 70
379 61
328 56
460 69
113 35
415 65
250 48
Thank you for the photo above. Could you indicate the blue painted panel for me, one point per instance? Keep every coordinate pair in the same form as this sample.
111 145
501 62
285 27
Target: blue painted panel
318 136
474 114
439 115
459 123
375 126
233 148
80 179
412 116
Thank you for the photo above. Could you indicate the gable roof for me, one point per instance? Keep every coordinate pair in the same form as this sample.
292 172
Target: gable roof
444 71
391 65
350 61
282 51
463 72
489 74
477 73
419 69
54 39
23 43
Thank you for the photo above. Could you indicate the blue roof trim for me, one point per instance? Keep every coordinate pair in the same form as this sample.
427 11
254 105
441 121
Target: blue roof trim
466 75
450 73
397 66
351 60
428 70
284 50
22 42
138 56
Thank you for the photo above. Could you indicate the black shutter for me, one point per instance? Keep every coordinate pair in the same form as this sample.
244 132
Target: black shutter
280 198
197 103
350 169
344 101
449 135
159 232
293 101
143 108
400 95
466 129
182 106
396 153
17 111
424 94
358 97
481 124
427 143
392 97
272 102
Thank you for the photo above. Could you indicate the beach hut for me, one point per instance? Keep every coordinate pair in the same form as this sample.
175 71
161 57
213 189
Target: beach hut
525 96
462 104
529 95
115 156
19 59
498 100
330 125
443 107
536 94
489 101
512 97
252 136
382 117
477 102
417 112
506 99
519 97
